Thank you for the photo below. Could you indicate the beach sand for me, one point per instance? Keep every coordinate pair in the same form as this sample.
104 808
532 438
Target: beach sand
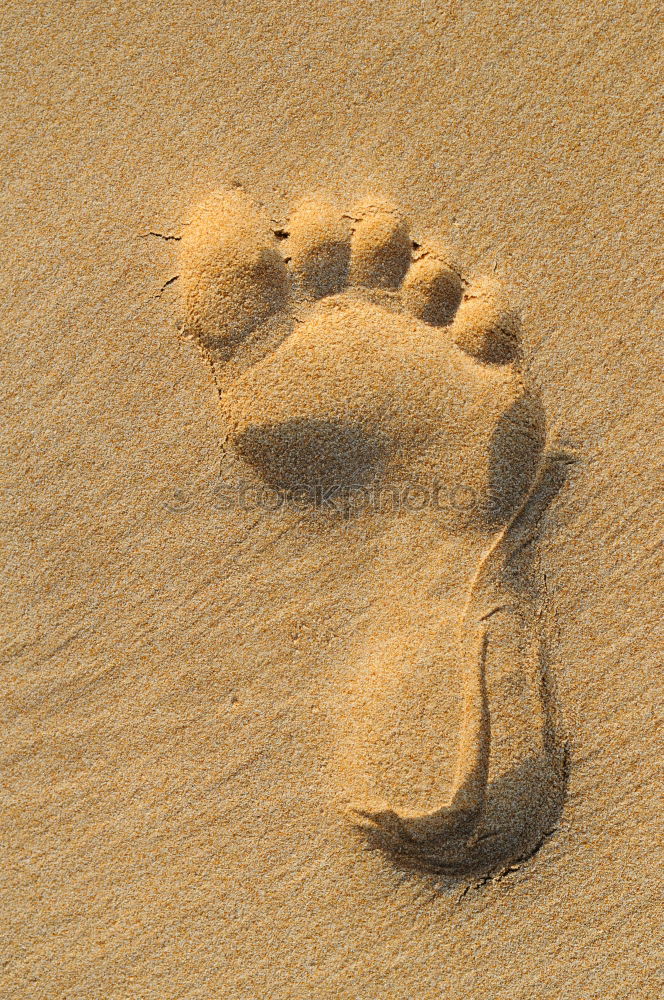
200 685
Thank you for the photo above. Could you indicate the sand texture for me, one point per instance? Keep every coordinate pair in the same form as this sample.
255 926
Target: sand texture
332 512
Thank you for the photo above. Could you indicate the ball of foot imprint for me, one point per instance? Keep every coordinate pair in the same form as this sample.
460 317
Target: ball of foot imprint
346 355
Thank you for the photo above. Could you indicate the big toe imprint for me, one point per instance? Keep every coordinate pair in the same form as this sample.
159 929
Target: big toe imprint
349 357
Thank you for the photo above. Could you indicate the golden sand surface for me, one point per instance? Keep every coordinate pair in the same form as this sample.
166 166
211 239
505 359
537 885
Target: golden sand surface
256 746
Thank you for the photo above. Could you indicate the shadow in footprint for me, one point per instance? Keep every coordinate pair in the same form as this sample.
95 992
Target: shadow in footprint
520 567
515 451
524 807
304 456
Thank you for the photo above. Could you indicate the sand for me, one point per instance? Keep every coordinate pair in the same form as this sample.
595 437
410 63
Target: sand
235 721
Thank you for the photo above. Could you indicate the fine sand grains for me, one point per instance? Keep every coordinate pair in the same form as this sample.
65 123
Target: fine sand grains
384 371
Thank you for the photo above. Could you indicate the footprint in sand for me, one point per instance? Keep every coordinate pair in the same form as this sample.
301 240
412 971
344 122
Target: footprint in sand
348 356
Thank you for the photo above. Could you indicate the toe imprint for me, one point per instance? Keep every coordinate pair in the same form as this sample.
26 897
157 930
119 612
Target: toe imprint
432 289
381 247
233 277
485 326
319 248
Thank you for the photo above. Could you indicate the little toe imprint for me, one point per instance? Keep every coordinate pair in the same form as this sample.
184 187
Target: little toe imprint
485 327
